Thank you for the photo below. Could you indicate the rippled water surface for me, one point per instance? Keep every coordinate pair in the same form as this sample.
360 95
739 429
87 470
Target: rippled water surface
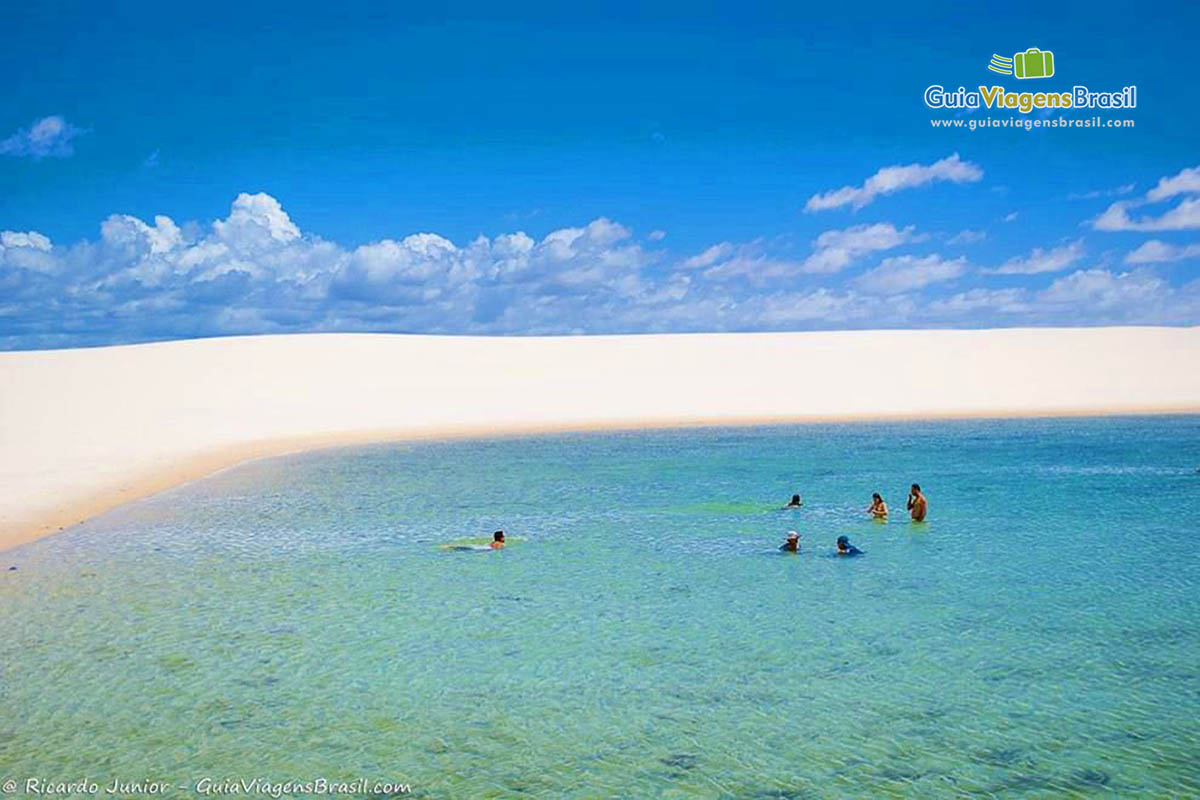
641 636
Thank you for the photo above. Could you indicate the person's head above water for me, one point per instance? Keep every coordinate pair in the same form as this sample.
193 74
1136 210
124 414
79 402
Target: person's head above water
792 544
844 548
793 536
916 487
877 497
795 500
498 536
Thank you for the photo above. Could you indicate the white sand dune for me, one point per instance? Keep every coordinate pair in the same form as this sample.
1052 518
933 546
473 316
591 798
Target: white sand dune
82 431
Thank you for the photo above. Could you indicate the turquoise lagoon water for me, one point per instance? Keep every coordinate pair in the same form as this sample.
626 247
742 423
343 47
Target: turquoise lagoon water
295 618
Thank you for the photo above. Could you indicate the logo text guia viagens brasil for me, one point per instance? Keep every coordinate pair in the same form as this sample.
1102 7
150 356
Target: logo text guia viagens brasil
1031 64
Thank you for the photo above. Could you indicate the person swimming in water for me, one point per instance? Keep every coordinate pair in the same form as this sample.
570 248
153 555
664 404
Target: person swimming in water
792 545
878 509
917 503
795 503
844 548
497 540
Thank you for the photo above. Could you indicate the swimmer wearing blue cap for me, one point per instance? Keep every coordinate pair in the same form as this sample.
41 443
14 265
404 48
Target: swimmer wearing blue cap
844 548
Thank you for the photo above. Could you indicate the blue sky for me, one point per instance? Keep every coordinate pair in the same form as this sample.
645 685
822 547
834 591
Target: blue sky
271 168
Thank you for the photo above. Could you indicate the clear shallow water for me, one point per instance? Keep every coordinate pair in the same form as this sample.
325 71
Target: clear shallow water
295 619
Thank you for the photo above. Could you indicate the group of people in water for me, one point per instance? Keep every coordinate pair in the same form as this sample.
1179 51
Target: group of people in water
917 507
844 548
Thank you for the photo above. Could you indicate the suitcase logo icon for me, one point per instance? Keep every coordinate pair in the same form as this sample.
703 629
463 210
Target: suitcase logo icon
1033 63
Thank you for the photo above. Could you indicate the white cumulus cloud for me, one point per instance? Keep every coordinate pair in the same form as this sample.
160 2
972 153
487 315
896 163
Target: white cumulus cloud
900 274
1187 181
1104 289
835 250
1038 261
889 180
31 239
47 137
30 251
1157 252
256 220
1184 216
966 236
751 262
1004 301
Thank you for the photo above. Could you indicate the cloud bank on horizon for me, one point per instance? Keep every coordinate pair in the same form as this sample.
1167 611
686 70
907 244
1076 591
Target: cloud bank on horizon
256 271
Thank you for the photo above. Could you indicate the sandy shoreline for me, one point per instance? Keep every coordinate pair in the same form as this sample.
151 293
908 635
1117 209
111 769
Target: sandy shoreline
83 431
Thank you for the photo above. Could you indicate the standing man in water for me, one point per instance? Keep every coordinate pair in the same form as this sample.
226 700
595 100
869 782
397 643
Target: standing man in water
917 504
